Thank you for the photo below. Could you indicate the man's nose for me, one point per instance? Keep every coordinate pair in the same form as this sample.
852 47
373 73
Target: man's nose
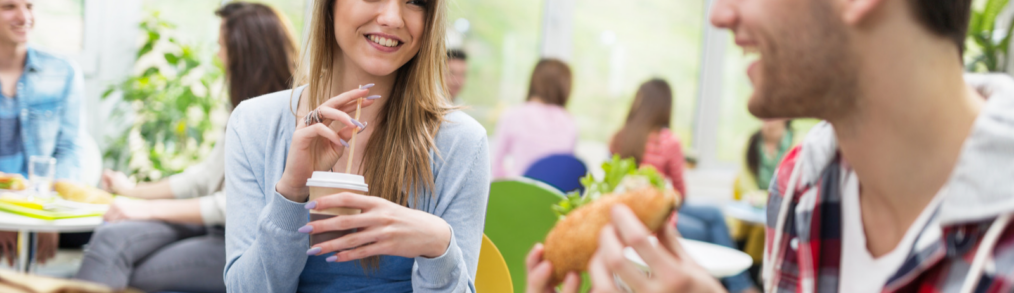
724 14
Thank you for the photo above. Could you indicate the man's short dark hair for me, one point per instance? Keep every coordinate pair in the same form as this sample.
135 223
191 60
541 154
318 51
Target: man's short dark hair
456 54
948 18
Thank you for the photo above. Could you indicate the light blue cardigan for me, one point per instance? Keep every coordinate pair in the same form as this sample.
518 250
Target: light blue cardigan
265 253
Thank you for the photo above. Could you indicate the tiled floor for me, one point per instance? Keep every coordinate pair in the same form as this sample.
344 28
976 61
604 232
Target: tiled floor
64 265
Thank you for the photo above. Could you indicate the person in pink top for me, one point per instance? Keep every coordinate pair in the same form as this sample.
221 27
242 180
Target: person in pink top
646 138
538 128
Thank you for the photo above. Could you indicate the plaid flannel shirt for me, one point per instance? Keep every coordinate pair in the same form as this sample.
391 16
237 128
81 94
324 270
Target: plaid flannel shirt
809 243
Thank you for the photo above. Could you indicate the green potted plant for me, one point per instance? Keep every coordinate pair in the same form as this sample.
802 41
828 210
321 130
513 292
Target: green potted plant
167 106
988 46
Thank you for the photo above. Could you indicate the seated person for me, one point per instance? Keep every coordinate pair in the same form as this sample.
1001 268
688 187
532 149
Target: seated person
646 138
36 120
457 72
375 71
538 128
764 151
175 239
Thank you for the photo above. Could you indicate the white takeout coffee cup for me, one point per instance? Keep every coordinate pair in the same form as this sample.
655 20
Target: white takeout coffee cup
324 183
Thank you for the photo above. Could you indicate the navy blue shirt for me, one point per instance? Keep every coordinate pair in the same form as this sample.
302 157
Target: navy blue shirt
12 158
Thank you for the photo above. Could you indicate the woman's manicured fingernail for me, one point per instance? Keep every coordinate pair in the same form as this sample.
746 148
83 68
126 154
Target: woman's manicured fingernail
357 123
332 258
373 97
366 87
310 205
305 229
344 143
313 251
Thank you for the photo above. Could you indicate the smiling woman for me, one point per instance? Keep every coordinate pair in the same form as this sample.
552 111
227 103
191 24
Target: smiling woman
426 165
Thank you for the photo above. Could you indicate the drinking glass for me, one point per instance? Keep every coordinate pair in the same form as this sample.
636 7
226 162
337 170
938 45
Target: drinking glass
41 170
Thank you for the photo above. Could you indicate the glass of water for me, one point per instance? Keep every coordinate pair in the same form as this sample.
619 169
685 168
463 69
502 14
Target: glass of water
41 170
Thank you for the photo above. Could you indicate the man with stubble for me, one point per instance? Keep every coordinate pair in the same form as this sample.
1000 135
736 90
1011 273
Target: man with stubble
906 185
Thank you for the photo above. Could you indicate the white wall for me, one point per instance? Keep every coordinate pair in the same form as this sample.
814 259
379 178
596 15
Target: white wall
110 42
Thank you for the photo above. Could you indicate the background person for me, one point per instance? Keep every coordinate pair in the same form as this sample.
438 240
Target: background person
765 149
457 72
541 126
175 240
425 164
36 120
646 138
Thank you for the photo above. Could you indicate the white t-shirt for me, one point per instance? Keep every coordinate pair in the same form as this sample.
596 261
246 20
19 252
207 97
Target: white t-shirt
860 272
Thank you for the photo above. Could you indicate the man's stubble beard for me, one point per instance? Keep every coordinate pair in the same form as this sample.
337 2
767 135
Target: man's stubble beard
809 69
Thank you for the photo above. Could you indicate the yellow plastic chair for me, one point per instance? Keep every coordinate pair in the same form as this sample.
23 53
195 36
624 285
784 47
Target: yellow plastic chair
492 275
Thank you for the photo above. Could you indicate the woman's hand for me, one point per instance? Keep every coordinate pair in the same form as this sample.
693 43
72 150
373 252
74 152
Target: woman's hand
672 269
328 139
385 228
540 274
128 210
117 182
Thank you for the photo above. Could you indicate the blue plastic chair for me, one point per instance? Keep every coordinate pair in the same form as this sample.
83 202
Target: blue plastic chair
561 171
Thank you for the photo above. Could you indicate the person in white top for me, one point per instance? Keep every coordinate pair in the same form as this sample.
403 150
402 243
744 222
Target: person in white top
173 239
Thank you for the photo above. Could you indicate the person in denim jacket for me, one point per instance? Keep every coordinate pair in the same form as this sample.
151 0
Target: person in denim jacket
40 107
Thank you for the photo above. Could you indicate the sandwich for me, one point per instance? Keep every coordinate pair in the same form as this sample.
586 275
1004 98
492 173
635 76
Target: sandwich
12 181
572 242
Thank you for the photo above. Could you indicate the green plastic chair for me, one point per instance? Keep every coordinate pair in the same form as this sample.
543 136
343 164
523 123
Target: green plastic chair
519 215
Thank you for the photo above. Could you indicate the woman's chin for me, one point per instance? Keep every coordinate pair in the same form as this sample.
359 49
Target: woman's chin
381 72
379 67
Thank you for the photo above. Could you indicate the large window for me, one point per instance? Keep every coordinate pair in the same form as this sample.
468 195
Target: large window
502 42
197 23
620 44
59 26
735 123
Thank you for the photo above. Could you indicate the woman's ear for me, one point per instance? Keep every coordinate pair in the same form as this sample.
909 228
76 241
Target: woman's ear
856 11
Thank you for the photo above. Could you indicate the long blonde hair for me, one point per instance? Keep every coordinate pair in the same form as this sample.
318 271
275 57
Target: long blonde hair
396 162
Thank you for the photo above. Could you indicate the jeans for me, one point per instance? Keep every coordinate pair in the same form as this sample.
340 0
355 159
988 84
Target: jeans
156 256
707 224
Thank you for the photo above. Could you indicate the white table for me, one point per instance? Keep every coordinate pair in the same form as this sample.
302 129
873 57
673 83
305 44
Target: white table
28 228
744 211
719 261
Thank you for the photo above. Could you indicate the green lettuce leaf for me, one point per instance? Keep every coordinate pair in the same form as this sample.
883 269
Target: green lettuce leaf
616 170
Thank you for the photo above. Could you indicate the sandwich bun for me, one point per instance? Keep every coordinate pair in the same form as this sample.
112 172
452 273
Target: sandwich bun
574 239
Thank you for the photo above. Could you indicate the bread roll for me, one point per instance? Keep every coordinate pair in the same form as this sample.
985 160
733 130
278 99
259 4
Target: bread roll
573 241
81 193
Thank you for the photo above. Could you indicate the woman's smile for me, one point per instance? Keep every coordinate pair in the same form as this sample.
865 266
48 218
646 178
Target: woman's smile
384 42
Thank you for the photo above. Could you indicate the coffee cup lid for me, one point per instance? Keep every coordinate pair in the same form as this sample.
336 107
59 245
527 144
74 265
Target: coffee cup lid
337 180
